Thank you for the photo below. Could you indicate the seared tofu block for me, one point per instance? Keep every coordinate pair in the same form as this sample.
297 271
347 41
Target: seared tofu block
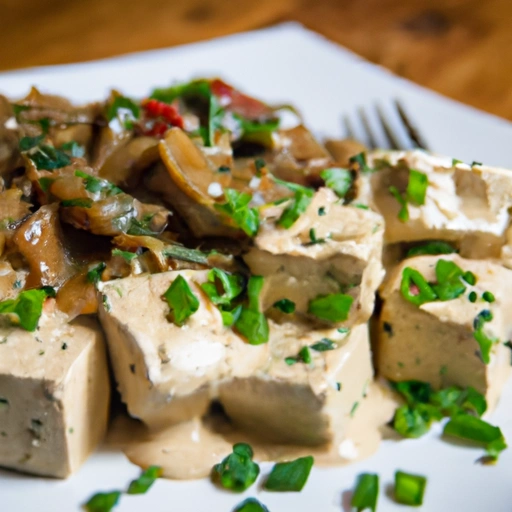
166 373
467 205
331 249
436 341
303 403
54 394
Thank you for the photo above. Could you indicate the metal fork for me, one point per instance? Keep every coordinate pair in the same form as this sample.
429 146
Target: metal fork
378 131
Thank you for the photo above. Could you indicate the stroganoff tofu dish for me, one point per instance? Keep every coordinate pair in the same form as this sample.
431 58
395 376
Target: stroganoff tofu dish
244 291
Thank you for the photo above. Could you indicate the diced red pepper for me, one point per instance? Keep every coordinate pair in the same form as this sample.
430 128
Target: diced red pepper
239 103
169 113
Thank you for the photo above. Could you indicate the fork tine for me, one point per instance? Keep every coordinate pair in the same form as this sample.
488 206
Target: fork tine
412 131
349 129
393 141
370 135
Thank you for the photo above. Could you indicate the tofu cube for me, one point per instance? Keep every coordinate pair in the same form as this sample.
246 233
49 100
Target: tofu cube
345 258
54 394
302 403
435 342
165 373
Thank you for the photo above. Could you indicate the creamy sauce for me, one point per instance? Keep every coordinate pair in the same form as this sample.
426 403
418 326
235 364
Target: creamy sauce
189 450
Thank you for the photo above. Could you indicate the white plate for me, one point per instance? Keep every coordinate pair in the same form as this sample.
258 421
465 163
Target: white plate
287 63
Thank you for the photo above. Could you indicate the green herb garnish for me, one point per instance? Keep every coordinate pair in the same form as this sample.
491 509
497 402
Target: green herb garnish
237 471
337 179
49 158
222 287
415 193
121 103
237 209
251 505
73 149
142 484
297 207
94 275
252 323
472 297
27 143
289 476
414 287
27 307
182 301
285 305
360 161
435 247
126 255
488 297
449 284
334 307
478 431
403 214
103 502
323 345
409 489
366 492
484 341
95 185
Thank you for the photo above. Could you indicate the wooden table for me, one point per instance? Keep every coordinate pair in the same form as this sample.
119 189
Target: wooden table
461 48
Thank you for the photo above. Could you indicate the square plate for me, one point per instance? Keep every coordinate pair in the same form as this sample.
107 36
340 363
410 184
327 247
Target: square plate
287 64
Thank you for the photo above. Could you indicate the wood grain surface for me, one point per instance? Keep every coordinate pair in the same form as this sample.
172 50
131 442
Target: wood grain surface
461 48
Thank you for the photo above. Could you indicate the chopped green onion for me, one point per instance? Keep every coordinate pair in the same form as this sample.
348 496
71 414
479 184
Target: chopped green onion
334 307
469 277
321 211
289 476
477 430
237 471
409 489
142 484
413 280
251 505
252 323
472 297
449 285
366 493
298 206
417 187
488 297
182 301
103 501
360 161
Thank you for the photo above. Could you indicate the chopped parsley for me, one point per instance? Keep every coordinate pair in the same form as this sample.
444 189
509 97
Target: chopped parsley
141 227
27 307
238 210
222 287
237 471
74 149
366 492
142 484
298 206
182 301
409 489
251 322
27 143
95 185
435 247
285 305
331 308
337 179
478 431
289 476
313 240
49 158
94 275
359 161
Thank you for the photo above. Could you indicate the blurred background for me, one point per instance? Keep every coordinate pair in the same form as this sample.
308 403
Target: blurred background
460 48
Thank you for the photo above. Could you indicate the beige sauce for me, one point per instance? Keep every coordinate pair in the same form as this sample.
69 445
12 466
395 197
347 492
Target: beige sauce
189 450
